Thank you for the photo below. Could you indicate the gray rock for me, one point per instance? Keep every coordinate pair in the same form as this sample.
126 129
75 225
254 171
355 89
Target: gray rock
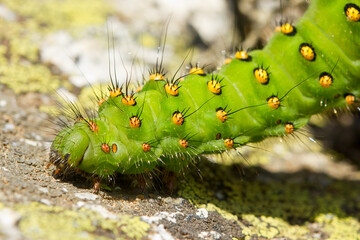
8 224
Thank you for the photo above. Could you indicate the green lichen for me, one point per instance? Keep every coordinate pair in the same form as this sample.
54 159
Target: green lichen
271 205
224 213
20 61
340 228
23 48
47 222
133 227
269 227
28 78
52 15
20 65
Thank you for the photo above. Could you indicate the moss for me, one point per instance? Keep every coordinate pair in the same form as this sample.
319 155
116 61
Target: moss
47 222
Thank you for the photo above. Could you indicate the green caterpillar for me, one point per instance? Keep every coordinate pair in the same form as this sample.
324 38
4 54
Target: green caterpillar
303 70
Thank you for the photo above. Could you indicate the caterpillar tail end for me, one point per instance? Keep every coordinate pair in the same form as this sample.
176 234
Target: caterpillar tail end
68 150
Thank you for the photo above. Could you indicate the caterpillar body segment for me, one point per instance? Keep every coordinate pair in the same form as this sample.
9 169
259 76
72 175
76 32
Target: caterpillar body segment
171 128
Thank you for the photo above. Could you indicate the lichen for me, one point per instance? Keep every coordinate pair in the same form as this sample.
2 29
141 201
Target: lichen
28 78
347 228
271 205
50 222
52 15
20 65
22 68
269 227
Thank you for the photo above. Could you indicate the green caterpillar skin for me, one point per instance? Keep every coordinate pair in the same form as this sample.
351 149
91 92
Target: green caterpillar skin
295 80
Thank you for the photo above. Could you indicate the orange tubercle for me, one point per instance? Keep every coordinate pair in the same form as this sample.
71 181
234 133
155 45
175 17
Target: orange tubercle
289 128
178 118
325 80
135 122
156 77
273 102
93 126
261 75
352 12
105 147
221 114
229 143
197 70
114 148
146 147
350 99
172 89
307 51
101 101
242 55
128 100
227 61
214 86
287 28
184 143
115 92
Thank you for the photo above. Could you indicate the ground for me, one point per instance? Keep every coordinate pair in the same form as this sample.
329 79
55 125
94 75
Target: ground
285 190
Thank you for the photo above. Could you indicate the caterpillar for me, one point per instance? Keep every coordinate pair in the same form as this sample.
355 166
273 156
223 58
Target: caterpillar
304 69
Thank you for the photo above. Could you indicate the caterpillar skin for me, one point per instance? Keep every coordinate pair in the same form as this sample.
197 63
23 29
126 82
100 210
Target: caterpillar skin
302 71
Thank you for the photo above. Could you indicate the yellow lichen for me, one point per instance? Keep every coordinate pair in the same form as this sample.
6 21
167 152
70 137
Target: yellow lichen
270 206
52 15
28 78
269 227
133 227
48 222
225 214
23 48
21 67
339 228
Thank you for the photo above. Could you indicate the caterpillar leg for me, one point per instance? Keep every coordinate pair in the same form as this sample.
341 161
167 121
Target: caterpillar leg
97 183
141 181
170 181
